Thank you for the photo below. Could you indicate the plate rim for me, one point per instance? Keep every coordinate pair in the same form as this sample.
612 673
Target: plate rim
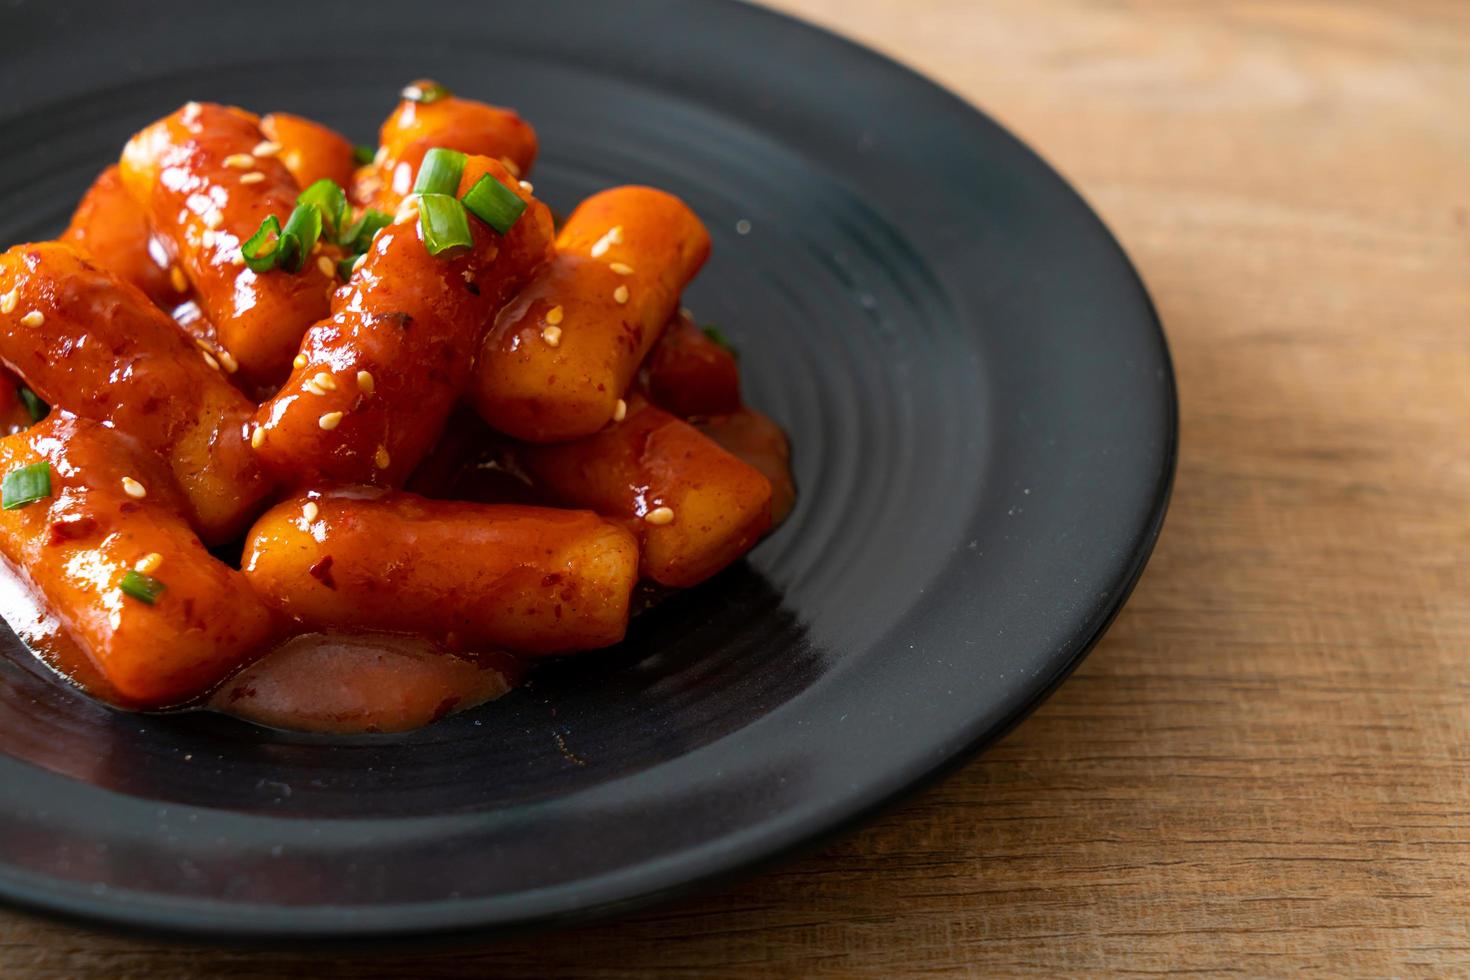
762 850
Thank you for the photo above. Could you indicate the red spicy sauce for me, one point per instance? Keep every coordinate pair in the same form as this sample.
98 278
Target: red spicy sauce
356 683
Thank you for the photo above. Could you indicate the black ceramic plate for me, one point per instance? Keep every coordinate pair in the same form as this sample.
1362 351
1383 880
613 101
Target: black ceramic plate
977 388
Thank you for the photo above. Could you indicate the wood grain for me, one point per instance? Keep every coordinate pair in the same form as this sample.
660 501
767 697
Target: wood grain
1262 769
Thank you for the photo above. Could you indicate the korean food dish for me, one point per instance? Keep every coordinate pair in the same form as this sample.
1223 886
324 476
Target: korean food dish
342 438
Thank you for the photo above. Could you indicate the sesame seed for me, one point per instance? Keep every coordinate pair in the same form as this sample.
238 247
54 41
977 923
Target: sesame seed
621 268
324 380
660 516
149 563
312 388
257 438
326 266
552 336
253 177
213 218
380 156
266 148
176 277
330 421
133 488
613 236
239 161
209 359
201 344
365 382
620 411
310 510
528 187
381 459
621 294
8 301
227 360
511 165
299 361
34 318
554 315
361 261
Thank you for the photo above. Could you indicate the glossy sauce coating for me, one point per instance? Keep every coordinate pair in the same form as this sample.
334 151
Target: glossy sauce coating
361 682
566 349
192 321
649 461
112 230
14 415
759 441
361 607
93 345
74 547
195 176
414 128
528 580
311 151
691 374
410 320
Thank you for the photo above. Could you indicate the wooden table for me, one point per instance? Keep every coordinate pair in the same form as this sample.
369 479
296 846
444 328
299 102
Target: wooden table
1263 768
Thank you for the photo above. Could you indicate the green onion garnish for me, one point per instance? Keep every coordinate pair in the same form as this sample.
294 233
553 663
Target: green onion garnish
494 203
329 198
344 267
144 588
359 235
257 259
26 485
299 237
444 222
424 91
718 336
363 155
440 172
33 403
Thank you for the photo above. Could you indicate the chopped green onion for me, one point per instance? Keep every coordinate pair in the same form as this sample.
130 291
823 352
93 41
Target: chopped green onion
359 235
33 403
444 223
440 172
494 203
323 203
299 237
144 588
424 91
329 198
718 336
25 485
256 259
363 155
344 267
